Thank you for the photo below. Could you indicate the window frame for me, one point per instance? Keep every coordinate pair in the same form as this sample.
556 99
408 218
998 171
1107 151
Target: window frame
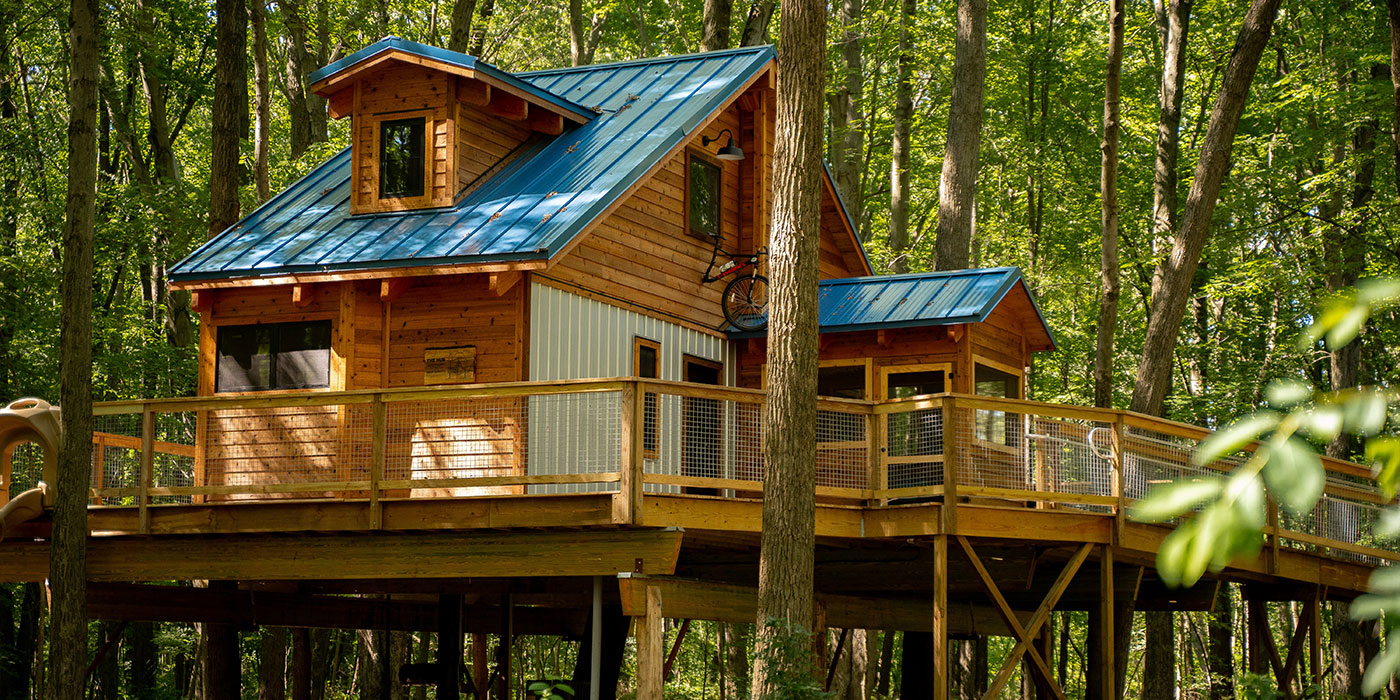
377 121
330 324
866 363
1008 419
692 155
651 429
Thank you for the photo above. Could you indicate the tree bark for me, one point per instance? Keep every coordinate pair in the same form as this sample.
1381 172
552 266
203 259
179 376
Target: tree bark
1171 284
848 125
957 189
141 650
788 539
488 10
294 79
230 103
756 23
1159 657
68 547
460 39
882 687
1221 659
718 15
272 664
1108 194
1164 181
736 662
262 100
1393 12
899 150
583 41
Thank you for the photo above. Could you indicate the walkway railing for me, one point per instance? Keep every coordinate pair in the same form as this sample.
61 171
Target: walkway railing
632 437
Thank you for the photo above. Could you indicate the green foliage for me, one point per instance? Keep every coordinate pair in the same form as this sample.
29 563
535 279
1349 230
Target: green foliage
787 654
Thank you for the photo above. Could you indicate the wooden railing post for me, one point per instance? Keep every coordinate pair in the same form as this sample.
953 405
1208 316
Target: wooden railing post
875 437
379 434
950 465
148 455
1119 485
1273 534
627 503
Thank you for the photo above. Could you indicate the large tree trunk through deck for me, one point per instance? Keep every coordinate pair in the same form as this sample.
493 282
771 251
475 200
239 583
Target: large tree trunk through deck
957 188
899 150
1177 21
68 649
262 100
717 16
272 664
1108 194
460 38
788 540
230 104
1171 285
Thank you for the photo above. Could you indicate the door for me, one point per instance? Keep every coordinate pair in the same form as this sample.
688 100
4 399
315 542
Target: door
701 424
913 449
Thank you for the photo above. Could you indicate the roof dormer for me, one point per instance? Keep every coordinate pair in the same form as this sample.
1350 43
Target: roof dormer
427 124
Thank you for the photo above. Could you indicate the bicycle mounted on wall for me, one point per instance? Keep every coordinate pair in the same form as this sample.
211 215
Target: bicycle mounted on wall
745 297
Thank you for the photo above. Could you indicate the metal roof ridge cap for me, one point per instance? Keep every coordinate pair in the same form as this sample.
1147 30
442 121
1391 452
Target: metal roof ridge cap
932 274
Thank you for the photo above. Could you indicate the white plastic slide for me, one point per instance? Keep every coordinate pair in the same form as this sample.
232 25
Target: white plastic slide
29 420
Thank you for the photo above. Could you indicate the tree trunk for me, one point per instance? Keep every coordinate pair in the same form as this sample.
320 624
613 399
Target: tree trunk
957 188
272 664
1108 194
899 151
717 17
141 650
1393 11
1172 282
68 649
1221 658
488 10
1159 657
262 100
230 102
295 75
222 663
736 661
1164 180
460 39
848 125
756 23
788 539
882 688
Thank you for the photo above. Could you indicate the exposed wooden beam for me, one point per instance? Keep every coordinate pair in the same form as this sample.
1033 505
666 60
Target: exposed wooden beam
202 300
651 646
393 287
302 295
473 92
545 121
508 106
351 556
306 278
341 103
501 282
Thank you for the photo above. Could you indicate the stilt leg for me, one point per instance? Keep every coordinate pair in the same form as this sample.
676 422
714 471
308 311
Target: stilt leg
650 648
1106 680
449 660
940 618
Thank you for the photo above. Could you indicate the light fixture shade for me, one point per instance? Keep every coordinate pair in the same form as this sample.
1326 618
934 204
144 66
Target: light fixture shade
730 152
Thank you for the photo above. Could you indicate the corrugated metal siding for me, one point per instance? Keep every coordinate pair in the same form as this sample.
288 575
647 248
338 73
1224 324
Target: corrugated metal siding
528 211
573 337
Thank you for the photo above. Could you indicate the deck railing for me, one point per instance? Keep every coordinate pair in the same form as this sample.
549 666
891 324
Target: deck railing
632 437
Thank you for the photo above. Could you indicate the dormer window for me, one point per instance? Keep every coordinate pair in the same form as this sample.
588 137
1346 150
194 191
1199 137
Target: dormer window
401 158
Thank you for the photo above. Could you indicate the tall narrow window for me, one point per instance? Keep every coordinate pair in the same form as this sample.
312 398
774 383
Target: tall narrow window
647 365
996 426
702 185
401 156
274 356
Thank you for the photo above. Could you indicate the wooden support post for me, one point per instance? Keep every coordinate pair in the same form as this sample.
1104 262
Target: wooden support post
1273 535
819 634
1254 647
1120 490
378 438
650 648
301 663
1315 638
940 617
504 648
449 658
627 502
1107 680
595 641
222 658
481 669
99 461
950 466
148 455
875 435
1035 659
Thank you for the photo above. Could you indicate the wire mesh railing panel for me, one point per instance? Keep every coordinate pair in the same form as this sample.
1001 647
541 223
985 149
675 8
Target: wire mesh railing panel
116 455
1071 456
260 449
700 438
914 448
843 450
175 460
26 467
1151 458
565 434
991 449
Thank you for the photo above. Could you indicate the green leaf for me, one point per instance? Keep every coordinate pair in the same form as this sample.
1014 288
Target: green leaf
1286 393
1388 525
1247 491
1364 413
1385 580
1345 329
1323 423
1294 474
1380 669
1235 436
1378 290
1384 455
1167 501
1171 556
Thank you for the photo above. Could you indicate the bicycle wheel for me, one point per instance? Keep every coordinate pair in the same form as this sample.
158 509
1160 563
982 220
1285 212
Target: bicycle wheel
746 302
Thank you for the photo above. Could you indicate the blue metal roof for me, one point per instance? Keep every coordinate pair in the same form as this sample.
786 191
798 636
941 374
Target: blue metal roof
530 210
434 53
914 300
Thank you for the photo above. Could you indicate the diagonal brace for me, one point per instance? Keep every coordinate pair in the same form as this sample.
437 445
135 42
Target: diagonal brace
1009 617
1023 642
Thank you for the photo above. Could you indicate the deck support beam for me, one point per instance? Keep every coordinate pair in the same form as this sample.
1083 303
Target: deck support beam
449 659
1108 676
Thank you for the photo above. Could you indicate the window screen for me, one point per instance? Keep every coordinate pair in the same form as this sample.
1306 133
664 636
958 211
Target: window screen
401 158
843 382
263 357
996 426
704 198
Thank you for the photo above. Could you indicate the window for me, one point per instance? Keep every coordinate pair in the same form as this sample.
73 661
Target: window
841 382
401 156
647 365
263 357
702 186
996 426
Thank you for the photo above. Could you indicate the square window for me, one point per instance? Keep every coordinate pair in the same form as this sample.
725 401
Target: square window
264 357
704 193
401 158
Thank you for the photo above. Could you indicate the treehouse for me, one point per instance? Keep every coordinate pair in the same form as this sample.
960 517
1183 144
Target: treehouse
500 363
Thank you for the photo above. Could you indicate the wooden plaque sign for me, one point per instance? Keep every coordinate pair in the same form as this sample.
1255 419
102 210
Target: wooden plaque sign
449 365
